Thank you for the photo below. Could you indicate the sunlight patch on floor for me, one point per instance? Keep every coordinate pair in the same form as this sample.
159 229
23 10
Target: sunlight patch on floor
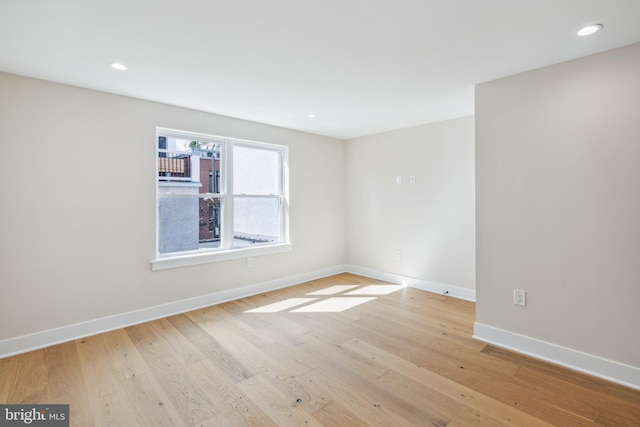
375 290
281 305
333 305
332 290
350 297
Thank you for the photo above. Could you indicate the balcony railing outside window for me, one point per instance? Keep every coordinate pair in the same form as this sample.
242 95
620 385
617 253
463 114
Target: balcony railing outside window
174 165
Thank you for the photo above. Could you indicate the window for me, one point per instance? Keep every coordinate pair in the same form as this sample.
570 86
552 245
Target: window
218 198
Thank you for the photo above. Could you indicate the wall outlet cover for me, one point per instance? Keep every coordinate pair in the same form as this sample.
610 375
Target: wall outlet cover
520 297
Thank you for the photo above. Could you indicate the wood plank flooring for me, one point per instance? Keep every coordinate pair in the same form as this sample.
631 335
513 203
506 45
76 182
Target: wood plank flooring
403 358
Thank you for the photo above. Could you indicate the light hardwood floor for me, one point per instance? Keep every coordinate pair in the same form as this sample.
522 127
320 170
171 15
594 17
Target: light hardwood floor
405 358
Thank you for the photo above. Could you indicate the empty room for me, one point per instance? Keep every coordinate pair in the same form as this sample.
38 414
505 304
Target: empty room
337 213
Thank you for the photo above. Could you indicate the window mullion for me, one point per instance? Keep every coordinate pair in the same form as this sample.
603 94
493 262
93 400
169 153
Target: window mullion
284 191
227 183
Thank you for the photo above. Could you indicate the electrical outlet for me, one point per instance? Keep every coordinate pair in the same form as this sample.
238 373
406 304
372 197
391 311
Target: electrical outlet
249 262
520 297
398 255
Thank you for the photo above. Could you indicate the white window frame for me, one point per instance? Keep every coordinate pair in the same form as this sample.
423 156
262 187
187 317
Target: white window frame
226 251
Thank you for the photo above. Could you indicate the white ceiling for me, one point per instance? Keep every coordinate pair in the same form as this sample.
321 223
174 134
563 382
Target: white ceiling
363 66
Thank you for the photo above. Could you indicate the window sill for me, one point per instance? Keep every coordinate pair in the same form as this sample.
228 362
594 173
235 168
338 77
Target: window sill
163 263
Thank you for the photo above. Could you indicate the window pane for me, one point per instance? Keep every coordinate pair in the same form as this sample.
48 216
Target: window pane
188 223
255 171
256 220
189 161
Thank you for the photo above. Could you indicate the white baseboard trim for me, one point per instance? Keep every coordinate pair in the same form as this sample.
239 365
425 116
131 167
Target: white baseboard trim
583 362
438 288
25 343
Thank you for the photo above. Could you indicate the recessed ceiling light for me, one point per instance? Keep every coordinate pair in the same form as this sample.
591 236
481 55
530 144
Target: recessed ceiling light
589 29
118 66
311 116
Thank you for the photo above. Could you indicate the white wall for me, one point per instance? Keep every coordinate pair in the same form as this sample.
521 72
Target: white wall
431 221
558 210
77 221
